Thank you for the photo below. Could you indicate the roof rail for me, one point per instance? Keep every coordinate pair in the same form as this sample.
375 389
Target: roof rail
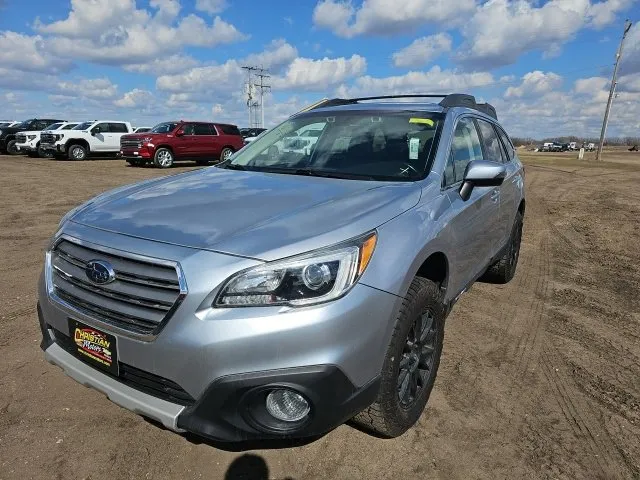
448 101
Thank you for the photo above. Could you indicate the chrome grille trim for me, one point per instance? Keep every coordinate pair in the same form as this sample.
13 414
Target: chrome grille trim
140 315
47 138
21 138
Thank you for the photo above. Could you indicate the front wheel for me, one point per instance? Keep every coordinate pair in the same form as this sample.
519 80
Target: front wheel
77 152
12 148
163 158
44 153
411 362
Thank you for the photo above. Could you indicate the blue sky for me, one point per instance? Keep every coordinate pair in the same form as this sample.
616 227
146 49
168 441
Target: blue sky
545 65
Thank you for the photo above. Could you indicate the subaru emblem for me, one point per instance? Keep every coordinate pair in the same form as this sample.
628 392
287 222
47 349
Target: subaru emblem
100 272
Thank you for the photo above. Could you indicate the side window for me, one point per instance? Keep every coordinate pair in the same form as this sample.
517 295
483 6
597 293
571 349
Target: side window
465 148
492 148
201 129
189 129
507 144
118 128
103 127
41 125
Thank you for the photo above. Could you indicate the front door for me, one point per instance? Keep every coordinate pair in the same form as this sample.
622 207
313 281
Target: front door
473 222
100 134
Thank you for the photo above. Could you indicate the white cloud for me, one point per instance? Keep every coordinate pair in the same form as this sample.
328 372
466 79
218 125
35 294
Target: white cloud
28 53
116 32
604 13
434 80
534 84
208 81
308 74
278 54
630 62
423 50
135 98
502 30
163 65
97 88
211 6
589 86
379 17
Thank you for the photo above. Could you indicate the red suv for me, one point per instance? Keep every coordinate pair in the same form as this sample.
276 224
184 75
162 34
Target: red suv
172 141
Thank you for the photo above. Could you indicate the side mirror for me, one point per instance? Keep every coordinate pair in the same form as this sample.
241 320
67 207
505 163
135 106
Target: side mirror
180 133
481 173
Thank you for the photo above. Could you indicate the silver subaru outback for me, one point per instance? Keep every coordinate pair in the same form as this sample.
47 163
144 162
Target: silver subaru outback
301 283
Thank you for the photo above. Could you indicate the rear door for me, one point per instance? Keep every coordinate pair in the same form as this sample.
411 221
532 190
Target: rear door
513 186
472 223
117 130
494 152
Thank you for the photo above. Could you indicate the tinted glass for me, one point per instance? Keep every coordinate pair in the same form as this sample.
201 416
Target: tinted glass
188 129
164 127
83 126
103 127
506 141
233 130
201 129
40 125
54 126
465 148
370 145
70 126
118 128
492 148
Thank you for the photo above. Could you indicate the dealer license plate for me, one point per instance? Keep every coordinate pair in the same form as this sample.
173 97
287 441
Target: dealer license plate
94 347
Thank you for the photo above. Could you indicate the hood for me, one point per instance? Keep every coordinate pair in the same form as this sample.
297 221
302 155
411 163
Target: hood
253 214
140 136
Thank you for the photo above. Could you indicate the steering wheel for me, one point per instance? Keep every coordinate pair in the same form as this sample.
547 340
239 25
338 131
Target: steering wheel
406 167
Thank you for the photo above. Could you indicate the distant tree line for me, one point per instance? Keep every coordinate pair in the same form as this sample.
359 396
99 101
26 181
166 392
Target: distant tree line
614 141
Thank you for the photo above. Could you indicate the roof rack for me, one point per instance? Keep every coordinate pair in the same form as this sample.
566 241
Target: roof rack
448 101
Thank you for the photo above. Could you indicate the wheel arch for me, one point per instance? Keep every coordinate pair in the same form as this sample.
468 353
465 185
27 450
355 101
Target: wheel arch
77 141
435 268
164 145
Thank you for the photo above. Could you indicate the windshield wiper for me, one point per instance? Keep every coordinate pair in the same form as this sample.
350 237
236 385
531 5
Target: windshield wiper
232 166
316 173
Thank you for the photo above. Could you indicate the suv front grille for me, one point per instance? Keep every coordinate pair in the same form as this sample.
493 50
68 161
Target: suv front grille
130 143
135 378
47 138
21 138
140 299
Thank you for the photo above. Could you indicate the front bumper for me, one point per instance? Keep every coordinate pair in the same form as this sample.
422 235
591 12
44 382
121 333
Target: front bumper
143 153
26 147
221 358
54 147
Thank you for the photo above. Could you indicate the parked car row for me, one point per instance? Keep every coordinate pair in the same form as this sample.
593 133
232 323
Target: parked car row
566 147
160 145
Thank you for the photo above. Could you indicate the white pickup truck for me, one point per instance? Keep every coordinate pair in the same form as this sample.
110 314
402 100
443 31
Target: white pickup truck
100 137
29 142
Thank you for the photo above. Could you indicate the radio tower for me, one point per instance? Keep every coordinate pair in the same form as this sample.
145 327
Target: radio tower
255 106
263 88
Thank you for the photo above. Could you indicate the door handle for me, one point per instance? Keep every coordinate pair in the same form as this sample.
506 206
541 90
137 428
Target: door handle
495 195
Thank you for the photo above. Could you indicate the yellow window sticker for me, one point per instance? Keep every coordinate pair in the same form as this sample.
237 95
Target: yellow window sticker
424 121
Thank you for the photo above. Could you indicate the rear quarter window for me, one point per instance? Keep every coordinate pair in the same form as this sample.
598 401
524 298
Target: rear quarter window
229 129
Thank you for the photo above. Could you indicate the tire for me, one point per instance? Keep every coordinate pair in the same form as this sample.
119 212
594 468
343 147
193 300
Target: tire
77 152
503 270
44 153
163 158
226 153
393 412
11 148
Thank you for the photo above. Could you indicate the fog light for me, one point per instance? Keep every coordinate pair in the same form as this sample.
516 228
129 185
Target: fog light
287 405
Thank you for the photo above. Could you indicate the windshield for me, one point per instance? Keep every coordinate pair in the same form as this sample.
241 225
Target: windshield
164 127
82 126
25 124
369 145
54 126
70 126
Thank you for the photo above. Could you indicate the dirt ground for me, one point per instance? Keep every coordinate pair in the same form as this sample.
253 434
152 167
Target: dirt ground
540 378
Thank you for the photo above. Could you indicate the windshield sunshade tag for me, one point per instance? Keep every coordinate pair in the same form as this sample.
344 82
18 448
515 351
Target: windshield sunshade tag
424 121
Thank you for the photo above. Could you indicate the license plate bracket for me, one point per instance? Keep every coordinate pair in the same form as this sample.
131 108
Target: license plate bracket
94 347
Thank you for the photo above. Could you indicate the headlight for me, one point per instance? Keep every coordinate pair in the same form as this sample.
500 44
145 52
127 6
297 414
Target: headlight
30 137
59 136
307 279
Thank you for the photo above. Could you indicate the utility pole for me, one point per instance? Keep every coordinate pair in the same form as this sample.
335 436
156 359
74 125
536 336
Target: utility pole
612 90
249 87
263 88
